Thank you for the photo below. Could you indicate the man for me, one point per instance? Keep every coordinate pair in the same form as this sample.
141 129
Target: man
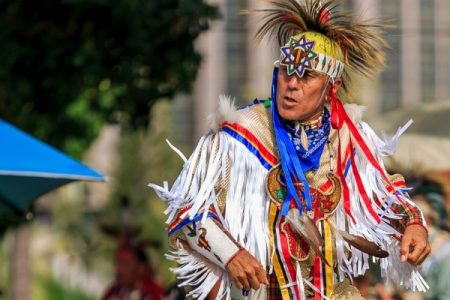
288 198
134 278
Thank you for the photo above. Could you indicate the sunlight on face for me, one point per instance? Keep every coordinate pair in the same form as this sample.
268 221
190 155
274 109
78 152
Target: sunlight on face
300 99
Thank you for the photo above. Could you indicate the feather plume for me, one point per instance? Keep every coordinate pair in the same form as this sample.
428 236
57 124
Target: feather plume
305 227
360 243
226 112
361 42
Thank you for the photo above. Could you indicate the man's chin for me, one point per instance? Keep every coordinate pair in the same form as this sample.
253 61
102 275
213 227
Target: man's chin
290 116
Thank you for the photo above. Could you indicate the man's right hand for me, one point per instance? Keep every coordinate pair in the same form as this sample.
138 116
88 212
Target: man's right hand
246 271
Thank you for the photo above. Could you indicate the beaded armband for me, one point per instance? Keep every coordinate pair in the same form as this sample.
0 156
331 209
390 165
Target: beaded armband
212 241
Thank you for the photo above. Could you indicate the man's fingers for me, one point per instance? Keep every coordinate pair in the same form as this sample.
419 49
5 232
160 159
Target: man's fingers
250 278
262 277
254 282
404 247
244 281
246 271
424 255
238 284
414 244
418 250
253 274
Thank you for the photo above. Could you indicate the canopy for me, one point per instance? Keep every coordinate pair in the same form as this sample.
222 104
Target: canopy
30 168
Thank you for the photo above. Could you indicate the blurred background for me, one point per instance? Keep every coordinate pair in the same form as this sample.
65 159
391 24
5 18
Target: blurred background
107 81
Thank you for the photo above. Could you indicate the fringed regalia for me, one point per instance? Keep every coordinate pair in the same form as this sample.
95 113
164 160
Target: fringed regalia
312 202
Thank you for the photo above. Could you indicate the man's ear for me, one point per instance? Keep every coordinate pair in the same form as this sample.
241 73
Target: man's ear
337 83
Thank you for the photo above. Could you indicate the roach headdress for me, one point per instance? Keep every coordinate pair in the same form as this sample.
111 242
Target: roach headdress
315 35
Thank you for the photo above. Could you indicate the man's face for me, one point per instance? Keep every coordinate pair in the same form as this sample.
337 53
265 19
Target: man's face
300 99
127 267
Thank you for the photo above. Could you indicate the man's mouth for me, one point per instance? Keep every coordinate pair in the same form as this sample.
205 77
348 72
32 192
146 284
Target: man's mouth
289 99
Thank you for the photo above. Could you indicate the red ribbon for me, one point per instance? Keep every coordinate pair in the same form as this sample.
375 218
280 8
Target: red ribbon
317 277
345 189
361 188
343 117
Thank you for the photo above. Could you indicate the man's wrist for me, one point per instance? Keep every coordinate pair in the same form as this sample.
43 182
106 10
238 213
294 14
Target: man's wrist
417 223
234 255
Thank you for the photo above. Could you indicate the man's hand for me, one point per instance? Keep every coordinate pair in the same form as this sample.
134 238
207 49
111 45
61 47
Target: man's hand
414 245
246 271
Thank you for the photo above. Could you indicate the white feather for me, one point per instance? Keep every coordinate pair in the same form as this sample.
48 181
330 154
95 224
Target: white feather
355 111
226 112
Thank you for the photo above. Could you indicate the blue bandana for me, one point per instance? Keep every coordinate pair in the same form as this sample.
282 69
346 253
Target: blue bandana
317 139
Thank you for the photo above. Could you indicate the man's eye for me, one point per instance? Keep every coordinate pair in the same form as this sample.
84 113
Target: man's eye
309 74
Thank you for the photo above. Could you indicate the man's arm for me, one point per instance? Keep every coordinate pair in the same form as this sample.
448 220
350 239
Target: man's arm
414 246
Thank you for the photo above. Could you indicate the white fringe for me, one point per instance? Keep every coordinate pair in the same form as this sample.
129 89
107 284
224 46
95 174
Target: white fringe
300 280
199 273
246 211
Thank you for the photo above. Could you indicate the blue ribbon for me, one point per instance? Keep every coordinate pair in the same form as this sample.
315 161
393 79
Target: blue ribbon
290 163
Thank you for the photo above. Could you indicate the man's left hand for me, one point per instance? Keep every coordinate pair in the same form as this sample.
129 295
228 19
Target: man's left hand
414 245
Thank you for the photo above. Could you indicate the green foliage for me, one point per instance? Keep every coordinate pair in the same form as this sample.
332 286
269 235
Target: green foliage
69 66
145 157
50 289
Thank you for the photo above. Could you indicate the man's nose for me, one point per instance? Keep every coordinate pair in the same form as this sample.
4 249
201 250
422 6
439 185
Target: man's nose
294 81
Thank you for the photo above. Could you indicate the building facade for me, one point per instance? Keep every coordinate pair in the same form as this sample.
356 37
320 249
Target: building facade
417 66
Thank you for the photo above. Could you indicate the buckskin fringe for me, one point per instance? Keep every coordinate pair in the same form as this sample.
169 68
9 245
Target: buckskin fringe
202 180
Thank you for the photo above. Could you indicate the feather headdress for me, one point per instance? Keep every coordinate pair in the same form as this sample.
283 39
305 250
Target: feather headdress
361 44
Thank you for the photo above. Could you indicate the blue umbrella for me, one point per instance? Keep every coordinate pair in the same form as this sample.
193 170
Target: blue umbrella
30 168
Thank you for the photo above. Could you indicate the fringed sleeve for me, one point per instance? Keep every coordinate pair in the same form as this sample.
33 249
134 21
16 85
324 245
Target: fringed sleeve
223 180
374 216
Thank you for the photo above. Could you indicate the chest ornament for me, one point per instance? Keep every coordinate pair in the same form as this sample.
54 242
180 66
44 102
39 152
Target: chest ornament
324 199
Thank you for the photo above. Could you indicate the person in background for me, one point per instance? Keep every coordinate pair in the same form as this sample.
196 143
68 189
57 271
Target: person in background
429 197
134 276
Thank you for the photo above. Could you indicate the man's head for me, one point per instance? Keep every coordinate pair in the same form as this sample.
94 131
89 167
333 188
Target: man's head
310 64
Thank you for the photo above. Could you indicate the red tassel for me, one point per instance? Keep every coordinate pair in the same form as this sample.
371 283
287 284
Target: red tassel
336 122
345 189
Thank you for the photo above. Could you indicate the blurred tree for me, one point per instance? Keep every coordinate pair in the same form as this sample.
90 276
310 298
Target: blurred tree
49 288
69 66
152 161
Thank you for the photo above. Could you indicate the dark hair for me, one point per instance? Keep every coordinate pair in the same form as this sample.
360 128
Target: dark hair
424 186
434 194
140 253
137 250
